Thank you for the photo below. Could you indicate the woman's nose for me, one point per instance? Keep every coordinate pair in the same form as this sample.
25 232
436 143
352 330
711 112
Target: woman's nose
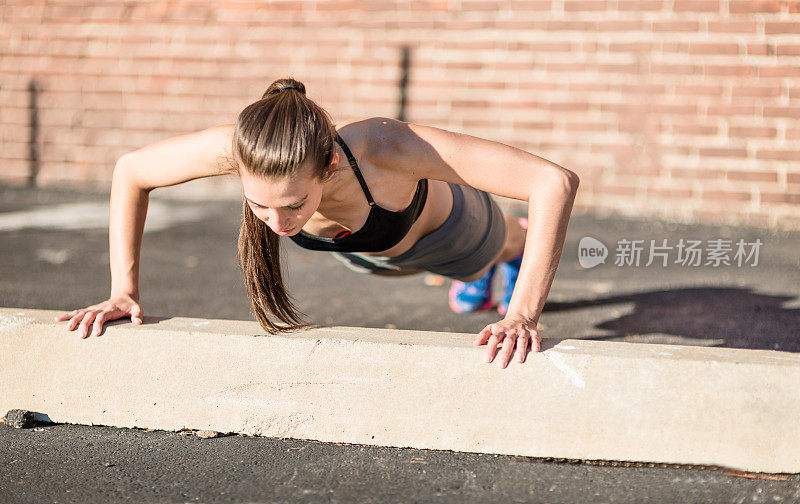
275 220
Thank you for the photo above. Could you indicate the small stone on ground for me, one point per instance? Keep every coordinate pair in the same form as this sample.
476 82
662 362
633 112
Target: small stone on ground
19 419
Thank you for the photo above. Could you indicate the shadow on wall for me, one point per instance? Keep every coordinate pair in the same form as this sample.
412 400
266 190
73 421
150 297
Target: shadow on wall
739 316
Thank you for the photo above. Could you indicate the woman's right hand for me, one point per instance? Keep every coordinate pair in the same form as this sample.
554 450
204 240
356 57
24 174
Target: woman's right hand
96 315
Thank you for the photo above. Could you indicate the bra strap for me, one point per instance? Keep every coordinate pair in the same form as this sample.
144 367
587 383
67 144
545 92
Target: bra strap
354 165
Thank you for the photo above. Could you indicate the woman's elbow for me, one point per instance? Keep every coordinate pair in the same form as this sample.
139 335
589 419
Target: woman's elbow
125 172
567 181
574 180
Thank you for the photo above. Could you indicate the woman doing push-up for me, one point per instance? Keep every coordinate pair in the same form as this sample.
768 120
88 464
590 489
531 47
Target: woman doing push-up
385 196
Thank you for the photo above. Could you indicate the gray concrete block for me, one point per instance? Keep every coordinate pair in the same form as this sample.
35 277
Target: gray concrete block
577 399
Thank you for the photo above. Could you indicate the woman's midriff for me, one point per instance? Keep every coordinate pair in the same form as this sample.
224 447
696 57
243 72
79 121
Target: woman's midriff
437 208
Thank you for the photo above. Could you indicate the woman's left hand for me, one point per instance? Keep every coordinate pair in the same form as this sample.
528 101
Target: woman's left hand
517 336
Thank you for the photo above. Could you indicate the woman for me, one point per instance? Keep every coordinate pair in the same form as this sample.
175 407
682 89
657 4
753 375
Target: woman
385 196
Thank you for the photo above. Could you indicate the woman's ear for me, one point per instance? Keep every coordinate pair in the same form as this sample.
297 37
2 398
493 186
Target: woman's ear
331 169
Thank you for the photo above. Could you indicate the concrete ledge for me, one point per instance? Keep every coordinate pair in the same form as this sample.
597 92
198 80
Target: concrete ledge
577 399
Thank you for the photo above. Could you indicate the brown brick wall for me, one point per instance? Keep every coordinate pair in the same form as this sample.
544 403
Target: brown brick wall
685 109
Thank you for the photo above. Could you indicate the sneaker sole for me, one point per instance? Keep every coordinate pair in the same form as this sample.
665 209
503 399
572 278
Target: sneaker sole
488 305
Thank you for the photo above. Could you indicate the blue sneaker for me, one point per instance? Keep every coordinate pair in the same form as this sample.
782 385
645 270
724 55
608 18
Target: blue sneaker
473 296
510 271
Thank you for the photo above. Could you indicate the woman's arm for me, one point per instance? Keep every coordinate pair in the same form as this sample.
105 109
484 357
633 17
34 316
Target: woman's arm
549 189
164 163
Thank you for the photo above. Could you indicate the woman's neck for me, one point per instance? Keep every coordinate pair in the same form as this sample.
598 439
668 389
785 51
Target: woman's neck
339 190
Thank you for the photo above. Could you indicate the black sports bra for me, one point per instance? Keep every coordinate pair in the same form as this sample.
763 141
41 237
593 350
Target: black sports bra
383 230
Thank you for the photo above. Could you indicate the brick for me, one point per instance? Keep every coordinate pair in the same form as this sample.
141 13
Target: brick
587 127
641 89
674 109
565 67
752 132
676 26
760 49
790 198
621 25
793 178
788 111
565 106
723 152
463 65
694 129
715 195
637 169
696 174
668 193
562 46
469 24
479 5
788 50
614 190
585 5
534 125
752 176
730 110
482 123
781 27
779 71
696 6
730 70
698 90
467 45
752 91
481 85
732 26
640 5
675 69
471 103
636 47
530 5
754 6
778 155
580 26
714 48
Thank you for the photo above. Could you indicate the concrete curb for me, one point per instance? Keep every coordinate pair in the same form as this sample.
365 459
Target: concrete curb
577 399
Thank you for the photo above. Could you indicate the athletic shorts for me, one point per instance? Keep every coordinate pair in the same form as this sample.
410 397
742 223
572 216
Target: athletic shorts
469 240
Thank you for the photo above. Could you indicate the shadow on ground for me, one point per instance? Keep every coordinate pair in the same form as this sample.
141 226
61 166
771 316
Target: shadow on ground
739 316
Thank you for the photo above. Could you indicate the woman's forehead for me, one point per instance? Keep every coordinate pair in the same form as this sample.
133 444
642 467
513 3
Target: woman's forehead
276 191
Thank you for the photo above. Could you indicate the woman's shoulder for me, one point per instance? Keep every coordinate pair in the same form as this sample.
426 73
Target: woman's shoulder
377 140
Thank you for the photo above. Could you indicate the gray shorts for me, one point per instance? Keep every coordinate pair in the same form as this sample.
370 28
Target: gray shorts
469 240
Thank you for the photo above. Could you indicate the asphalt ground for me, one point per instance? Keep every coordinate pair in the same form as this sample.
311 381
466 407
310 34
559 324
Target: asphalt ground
54 246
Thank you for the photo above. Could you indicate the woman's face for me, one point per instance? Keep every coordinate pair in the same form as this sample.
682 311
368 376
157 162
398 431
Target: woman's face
284 204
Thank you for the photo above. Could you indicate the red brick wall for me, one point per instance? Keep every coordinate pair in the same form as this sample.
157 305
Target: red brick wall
686 109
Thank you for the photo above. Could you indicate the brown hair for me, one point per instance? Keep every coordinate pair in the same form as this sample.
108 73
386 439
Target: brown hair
273 138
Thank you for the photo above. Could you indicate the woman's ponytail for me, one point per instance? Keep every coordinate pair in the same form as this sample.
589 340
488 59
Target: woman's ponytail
259 259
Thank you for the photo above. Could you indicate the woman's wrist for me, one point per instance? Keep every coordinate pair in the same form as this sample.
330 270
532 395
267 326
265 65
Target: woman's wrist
527 317
130 293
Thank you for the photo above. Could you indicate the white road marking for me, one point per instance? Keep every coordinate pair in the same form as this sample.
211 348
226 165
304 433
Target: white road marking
558 361
80 216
